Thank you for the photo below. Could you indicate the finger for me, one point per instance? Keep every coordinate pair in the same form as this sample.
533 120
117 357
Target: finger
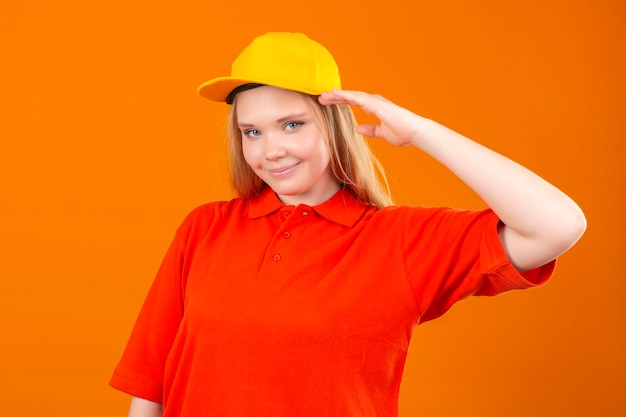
332 97
342 97
370 130
351 96
328 100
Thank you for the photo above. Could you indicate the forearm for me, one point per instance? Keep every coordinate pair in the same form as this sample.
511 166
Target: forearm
540 221
144 408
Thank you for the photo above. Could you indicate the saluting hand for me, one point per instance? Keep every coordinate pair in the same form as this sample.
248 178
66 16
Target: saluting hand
398 125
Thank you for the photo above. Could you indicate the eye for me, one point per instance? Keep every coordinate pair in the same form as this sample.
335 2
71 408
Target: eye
252 133
292 125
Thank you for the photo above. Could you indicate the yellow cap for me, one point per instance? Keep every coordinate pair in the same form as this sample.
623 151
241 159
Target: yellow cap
287 60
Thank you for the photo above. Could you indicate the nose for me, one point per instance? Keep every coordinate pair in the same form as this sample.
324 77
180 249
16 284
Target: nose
274 146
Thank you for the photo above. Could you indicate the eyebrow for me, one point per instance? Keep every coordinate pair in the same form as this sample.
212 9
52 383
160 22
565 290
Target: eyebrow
278 121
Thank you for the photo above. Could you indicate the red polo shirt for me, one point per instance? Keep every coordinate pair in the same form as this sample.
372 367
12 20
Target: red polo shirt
261 309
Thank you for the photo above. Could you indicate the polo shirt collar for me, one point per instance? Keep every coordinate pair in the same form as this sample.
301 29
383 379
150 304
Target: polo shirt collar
343 207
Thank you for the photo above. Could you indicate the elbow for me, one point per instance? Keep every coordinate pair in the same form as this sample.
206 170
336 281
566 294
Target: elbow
571 229
578 225
553 236
581 225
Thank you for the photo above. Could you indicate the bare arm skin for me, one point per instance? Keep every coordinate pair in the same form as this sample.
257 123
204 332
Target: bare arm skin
144 408
540 221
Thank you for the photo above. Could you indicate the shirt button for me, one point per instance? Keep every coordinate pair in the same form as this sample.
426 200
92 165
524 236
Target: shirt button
276 258
285 215
305 213
286 235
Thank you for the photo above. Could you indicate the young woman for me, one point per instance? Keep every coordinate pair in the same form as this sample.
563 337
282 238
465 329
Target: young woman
299 297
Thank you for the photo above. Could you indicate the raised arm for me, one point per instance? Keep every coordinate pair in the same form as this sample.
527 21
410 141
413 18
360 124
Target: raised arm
540 222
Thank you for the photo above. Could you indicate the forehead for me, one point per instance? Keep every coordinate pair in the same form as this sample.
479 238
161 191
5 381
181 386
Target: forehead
272 102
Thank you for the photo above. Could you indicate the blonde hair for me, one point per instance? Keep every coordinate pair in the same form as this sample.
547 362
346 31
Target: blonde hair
352 162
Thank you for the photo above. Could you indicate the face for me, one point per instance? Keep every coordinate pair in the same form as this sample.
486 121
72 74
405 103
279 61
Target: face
283 142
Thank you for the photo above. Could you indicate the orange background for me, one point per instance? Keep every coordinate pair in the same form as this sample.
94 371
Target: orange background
105 146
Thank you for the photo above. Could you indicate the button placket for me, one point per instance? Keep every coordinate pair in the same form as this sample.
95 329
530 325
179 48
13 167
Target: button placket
277 257
292 221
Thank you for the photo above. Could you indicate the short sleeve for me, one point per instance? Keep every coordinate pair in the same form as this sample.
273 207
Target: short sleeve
140 370
452 254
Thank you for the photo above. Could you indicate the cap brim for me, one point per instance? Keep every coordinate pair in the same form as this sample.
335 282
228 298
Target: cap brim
218 89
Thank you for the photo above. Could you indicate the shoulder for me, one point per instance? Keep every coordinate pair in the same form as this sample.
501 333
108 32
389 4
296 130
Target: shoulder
429 213
203 217
433 218
433 212
215 209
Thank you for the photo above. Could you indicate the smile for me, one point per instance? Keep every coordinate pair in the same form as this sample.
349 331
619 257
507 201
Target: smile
284 171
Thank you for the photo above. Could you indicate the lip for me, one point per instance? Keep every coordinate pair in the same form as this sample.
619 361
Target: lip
283 171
